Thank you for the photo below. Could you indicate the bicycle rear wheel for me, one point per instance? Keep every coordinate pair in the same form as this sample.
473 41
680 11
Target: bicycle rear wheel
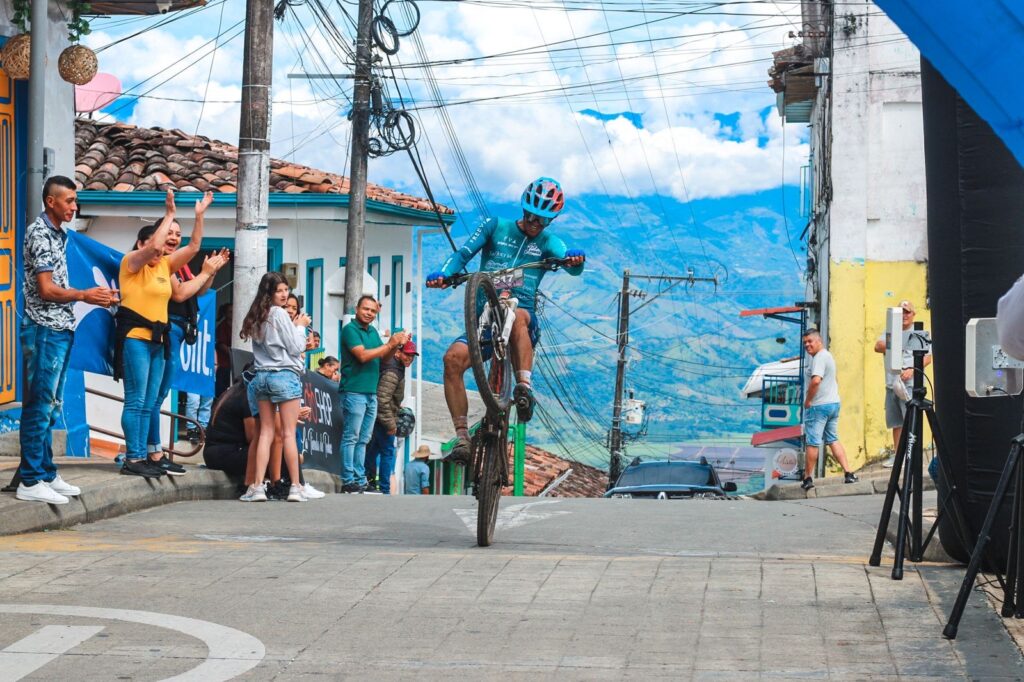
493 376
492 478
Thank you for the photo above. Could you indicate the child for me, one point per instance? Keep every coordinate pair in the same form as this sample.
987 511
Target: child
277 345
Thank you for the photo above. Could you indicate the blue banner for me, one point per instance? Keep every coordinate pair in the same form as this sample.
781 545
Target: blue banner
92 264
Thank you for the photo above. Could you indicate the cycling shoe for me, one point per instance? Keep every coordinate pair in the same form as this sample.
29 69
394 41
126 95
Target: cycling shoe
522 395
461 453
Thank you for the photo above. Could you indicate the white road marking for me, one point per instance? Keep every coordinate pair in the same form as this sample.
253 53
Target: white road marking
512 516
230 652
27 655
246 538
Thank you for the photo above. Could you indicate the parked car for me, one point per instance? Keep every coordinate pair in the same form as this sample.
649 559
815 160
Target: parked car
670 480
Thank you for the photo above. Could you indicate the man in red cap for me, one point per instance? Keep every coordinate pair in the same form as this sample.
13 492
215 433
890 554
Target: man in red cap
390 392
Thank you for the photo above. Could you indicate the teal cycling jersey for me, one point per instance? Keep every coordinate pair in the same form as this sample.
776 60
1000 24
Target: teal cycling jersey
504 245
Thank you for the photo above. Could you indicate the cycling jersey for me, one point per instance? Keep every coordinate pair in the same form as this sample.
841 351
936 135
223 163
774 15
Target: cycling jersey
504 245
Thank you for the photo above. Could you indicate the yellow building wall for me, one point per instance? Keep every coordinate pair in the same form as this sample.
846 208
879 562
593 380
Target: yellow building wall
859 293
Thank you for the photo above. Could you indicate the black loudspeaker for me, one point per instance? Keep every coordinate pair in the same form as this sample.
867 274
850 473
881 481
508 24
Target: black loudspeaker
975 253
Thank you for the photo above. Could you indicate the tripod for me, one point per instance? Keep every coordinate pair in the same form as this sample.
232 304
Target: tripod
910 522
1012 581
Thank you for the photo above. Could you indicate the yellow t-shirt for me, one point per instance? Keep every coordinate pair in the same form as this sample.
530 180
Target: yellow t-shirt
147 292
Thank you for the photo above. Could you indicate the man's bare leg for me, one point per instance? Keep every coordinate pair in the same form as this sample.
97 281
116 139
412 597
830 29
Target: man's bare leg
456 362
812 461
839 452
522 348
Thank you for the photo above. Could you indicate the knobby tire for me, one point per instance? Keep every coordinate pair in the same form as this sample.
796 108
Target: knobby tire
493 377
493 450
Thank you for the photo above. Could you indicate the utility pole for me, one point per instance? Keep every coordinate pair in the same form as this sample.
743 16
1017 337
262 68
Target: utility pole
622 338
252 209
37 169
355 238
615 439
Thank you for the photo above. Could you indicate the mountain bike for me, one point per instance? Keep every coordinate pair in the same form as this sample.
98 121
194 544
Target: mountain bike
490 311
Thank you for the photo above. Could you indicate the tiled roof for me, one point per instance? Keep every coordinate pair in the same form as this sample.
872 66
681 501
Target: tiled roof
544 468
126 158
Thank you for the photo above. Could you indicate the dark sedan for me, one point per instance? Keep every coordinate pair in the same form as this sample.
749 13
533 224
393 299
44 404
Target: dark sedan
669 480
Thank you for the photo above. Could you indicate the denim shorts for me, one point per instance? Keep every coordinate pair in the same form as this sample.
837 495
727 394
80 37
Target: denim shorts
820 424
485 340
275 385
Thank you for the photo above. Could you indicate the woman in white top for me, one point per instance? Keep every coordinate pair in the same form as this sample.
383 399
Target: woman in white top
277 346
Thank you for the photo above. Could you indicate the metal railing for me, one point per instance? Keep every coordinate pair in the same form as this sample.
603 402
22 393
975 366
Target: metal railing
170 448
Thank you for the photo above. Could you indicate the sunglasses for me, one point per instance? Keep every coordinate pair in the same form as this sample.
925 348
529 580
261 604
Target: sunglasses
540 220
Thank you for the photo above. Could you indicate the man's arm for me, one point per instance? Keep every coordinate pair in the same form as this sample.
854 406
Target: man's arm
48 291
812 390
556 248
460 259
363 356
880 345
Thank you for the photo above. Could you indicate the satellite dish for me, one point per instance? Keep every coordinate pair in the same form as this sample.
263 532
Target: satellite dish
103 89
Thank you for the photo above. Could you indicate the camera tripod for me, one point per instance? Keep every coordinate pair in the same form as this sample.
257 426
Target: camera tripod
908 462
1012 581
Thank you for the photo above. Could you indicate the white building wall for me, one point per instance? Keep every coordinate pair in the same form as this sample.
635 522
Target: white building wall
303 241
877 160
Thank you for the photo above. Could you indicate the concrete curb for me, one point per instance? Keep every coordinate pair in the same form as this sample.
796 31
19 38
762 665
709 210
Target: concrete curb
830 487
117 495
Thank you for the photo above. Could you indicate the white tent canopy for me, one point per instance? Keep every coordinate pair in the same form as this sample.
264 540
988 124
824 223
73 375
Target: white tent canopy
755 384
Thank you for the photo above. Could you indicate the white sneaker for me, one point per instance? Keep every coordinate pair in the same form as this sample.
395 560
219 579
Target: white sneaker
889 462
40 492
295 494
255 493
62 487
312 493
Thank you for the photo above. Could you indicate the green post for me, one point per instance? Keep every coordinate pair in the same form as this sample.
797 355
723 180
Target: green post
520 459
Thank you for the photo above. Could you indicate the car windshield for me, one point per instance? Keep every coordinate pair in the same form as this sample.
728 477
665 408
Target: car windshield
662 473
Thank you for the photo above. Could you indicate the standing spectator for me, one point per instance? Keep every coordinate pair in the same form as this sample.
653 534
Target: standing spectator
361 353
390 392
291 306
277 346
896 405
46 335
142 338
821 408
183 311
417 474
329 367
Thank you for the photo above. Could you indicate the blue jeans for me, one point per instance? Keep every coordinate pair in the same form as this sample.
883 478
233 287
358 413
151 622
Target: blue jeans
46 352
381 445
360 412
143 374
153 439
198 407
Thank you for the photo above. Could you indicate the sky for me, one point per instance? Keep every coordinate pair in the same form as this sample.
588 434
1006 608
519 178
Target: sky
656 117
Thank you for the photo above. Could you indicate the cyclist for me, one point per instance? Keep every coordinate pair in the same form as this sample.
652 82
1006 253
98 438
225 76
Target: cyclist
507 244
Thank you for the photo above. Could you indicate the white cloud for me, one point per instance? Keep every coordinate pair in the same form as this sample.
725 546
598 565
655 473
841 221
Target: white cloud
706 67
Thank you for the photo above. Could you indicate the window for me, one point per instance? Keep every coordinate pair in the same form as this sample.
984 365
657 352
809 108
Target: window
397 293
315 292
373 267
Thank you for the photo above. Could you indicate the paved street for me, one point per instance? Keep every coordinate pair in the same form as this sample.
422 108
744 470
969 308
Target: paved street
394 588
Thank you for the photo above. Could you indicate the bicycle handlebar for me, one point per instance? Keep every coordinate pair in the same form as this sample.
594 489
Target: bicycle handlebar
546 264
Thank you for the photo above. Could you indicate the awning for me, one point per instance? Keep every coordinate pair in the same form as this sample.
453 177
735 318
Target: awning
755 384
978 47
788 433
121 7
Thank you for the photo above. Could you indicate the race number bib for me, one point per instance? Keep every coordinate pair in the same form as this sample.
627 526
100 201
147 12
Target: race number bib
509 280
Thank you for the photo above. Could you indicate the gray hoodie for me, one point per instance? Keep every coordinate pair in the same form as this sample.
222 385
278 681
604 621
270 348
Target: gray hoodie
282 343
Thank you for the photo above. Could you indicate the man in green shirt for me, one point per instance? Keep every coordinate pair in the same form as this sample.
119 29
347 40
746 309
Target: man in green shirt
361 353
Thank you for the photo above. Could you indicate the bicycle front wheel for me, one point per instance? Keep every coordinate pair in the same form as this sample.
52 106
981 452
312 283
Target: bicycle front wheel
493 477
483 332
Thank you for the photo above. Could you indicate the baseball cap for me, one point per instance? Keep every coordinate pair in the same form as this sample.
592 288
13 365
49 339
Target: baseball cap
409 348
908 306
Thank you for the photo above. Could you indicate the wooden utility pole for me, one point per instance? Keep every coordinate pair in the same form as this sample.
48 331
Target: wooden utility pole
615 439
622 338
355 257
252 210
